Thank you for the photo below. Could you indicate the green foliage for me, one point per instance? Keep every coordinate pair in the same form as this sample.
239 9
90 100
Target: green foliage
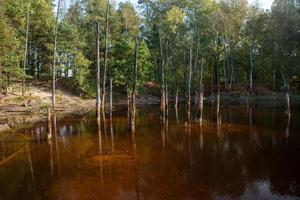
81 69
123 62
219 33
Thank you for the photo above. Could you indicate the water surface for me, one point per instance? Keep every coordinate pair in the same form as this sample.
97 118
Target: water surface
255 154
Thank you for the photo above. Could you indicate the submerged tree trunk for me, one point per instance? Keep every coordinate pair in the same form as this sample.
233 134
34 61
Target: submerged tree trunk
105 56
98 99
133 93
54 57
162 84
25 52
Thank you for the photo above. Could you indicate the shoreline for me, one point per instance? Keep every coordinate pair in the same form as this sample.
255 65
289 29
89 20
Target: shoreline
15 116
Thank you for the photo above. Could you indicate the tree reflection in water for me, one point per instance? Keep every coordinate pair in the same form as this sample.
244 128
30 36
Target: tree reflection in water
244 157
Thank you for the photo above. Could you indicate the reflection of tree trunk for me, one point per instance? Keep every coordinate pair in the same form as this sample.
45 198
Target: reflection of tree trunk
56 144
250 117
100 148
50 141
104 125
287 128
134 150
201 141
112 135
189 145
163 134
30 167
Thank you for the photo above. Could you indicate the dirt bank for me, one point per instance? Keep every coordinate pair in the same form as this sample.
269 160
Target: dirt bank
33 107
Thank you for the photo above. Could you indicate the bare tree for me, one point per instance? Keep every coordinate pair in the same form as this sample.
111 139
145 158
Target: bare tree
134 82
54 56
188 95
98 99
162 84
105 56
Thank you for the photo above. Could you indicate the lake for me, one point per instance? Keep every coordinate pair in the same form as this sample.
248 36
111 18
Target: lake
254 154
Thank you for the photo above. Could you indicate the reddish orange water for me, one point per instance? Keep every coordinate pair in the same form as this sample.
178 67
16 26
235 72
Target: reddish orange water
253 155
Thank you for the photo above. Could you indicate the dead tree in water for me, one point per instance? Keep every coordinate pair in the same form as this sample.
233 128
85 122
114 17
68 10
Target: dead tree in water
167 101
98 98
133 92
176 99
286 96
218 106
128 106
110 97
287 101
162 84
54 56
188 92
196 103
49 124
201 91
251 63
105 56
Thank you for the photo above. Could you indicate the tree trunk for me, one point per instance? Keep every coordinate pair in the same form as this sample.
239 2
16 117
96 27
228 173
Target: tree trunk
98 99
105 56
251 65
133 93
167 101
162 84
176 99
224 68
232 71
54 57
128 106
188 103
201 91
110 97
25 53
218 101
287 101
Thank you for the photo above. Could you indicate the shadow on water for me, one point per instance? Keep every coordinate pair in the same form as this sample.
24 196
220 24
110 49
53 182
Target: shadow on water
247 152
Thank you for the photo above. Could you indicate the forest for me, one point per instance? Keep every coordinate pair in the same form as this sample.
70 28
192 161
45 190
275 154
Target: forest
185 48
